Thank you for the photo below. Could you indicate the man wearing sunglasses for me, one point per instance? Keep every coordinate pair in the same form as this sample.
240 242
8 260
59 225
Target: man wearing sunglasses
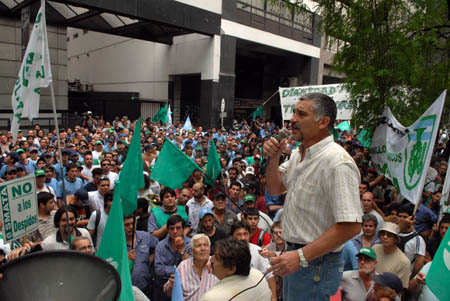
390 258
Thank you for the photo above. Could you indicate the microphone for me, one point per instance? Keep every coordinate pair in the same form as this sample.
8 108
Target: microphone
284 133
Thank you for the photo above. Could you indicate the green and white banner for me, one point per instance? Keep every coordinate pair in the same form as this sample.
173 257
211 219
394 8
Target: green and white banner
34 73
290 96
19 209
403 154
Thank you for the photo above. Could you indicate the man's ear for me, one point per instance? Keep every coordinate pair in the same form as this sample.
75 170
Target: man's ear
324 122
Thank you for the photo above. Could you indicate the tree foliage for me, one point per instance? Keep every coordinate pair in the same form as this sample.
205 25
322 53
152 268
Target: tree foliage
394 53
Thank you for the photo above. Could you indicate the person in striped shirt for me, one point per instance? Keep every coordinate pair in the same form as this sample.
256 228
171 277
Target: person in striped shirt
194 276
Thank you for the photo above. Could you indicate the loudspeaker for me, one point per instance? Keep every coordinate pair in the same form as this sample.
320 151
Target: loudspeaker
59 275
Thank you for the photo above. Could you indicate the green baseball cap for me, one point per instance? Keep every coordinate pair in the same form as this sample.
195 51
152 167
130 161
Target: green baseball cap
39 173
98 142
249 198
20 150
368 252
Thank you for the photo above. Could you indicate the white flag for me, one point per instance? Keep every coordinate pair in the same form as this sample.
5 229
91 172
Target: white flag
169 117
187 124
34 73
404 154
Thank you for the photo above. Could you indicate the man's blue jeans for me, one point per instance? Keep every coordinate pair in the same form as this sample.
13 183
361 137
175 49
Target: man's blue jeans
317 282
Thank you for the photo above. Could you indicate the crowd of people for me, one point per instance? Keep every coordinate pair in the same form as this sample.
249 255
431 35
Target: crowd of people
235 239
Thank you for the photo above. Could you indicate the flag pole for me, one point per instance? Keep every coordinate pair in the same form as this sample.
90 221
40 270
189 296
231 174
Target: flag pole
263 103
52 94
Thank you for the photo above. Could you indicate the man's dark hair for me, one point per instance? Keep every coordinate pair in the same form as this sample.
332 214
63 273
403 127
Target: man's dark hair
165 191
394 207
236 183
97 171
88 152
324 106
406 209
62 211
108 197
233 168
72 165
251 211
366 183
239 225
234 253
175 219
143 204
49 167
445 220
44 197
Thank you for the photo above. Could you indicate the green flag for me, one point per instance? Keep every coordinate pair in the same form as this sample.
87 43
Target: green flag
113 247
440 270
172 167
132 174
335 134
161 115
344 126
213 167
365 137
258 112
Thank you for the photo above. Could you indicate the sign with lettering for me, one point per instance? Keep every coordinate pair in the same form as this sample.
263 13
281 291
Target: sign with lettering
403 154
290 96
19 208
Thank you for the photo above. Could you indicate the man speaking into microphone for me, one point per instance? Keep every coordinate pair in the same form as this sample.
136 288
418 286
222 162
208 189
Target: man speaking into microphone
322 208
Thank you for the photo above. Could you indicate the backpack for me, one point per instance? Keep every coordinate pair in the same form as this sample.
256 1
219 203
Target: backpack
261 237
404 239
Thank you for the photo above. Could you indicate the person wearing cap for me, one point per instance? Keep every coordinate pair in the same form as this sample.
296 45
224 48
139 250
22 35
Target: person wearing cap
10 173
41 186
208 227
33 155
98 150
356 284
264 221
46 214
224 217
80 201
24 161
322 208
390 257
65 163
387 287
250 173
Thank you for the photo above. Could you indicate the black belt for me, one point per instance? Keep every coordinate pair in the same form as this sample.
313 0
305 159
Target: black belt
294 245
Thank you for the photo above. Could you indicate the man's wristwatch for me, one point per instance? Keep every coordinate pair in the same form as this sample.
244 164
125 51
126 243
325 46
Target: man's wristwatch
303 262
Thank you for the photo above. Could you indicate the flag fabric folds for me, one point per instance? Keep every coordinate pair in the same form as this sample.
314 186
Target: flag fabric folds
161 115
113 246
344 126
35 73
258 112
403 154
169 116
213 167
173 167
440 270
132 174
365 138
187 124
177 291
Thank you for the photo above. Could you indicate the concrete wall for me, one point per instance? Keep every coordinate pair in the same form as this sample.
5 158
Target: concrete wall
112 63
214 6
11 59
